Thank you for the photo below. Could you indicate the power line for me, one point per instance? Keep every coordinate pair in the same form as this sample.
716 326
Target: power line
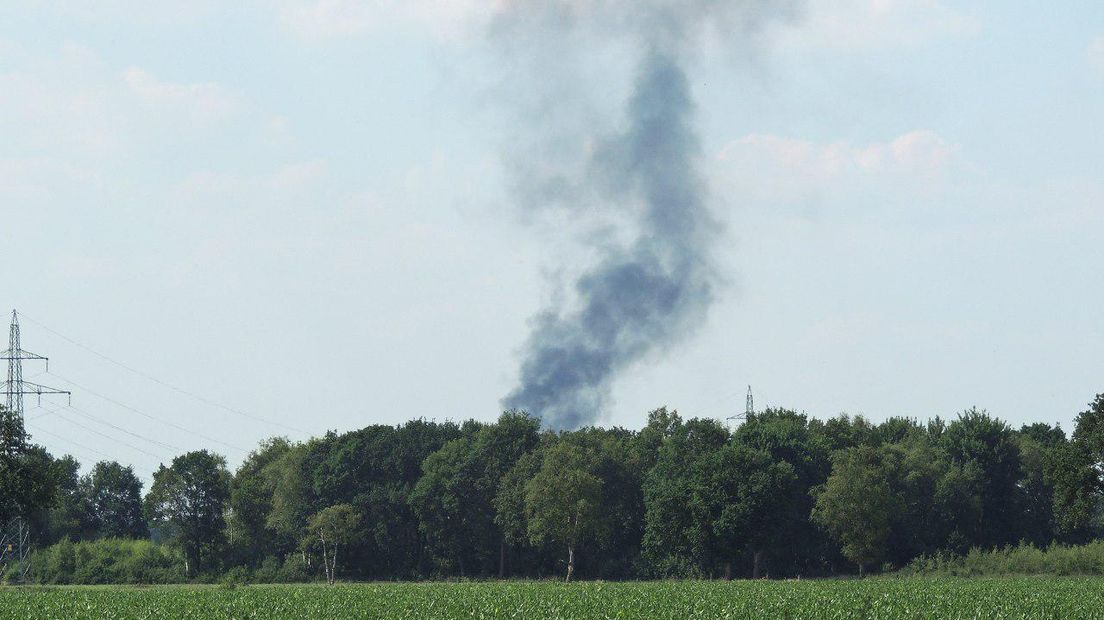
123 430
106 436
70 441
165 384
151 417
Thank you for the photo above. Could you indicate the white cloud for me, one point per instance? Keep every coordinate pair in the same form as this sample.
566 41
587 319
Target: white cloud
334 19
202 102
326 18
772 169
854 25
160 13
1096 53
256 194
922 153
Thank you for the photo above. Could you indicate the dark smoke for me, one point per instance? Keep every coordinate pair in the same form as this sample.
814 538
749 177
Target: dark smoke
641 298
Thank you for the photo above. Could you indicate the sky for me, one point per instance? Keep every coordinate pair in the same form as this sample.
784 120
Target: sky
228 221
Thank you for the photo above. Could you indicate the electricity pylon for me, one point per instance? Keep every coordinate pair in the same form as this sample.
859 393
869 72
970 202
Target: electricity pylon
749 409
15 549
16 387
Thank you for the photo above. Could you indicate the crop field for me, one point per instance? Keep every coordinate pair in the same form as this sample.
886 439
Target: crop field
1021 597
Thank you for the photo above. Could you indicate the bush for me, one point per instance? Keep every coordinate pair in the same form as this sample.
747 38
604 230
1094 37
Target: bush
106 561
294 570
236 576
1023 559
269 571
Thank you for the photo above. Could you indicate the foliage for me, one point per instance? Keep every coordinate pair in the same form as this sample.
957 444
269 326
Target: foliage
333 528
187 500
1023 559
115 501
782 494
454 498
857 504
876 599
107 560
254 492
563 501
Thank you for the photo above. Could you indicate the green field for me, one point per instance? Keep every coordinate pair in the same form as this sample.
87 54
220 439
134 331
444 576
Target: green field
1021 597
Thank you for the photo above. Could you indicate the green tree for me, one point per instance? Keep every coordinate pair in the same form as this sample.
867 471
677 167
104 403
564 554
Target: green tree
15 496
1071 471
790 437
446 500
291 503
987 447
858 505
259 480
115 501
332 528
743 490
509 501
454 498
187 503
563 501
375 469
70 516
677 531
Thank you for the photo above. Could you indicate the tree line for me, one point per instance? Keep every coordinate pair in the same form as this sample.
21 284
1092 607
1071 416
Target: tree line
782 494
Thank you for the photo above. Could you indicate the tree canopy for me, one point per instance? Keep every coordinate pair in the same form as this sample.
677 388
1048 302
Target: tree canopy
780 494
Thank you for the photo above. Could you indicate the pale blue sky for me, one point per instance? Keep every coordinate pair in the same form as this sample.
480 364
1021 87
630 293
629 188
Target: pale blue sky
299 209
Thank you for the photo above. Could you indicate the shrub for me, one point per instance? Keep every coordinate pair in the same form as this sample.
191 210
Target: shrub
1023 559
106 561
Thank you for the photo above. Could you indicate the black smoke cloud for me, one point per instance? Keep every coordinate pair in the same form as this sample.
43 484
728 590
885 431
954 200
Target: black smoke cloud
645 295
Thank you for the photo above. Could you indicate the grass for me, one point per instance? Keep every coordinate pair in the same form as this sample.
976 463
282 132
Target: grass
1002 597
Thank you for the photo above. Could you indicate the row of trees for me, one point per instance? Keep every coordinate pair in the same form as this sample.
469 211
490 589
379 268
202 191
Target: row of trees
782 494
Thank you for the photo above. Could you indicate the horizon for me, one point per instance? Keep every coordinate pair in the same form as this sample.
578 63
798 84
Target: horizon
306 212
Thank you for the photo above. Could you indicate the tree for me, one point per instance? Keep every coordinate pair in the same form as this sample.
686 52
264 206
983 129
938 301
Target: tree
980 443
1037 491
253 491
187 502
509 501
677 531
333 528
857 505
70 516
14 494
742 490
562 501
454 498
1089 431
790 437
374 469
291 501
115 501
1071 470
446 500
1075 470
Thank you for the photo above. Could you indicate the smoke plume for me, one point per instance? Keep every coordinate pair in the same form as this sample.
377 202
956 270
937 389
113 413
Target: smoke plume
643 295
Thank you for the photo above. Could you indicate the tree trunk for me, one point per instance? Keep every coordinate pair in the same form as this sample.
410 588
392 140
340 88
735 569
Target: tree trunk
502 558
333 565
325 556
570 562
728 571
757 558
862 568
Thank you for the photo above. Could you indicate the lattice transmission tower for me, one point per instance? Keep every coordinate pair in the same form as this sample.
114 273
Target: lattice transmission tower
16 387
749 409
